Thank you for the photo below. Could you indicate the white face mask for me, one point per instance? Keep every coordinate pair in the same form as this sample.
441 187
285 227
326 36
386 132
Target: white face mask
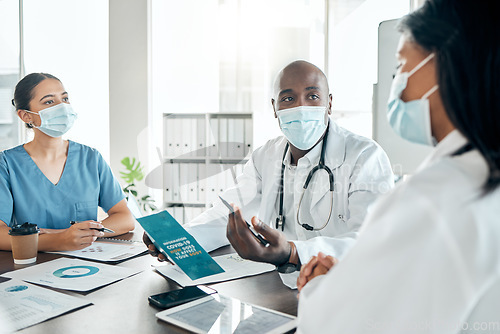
410 120
303 126
56 120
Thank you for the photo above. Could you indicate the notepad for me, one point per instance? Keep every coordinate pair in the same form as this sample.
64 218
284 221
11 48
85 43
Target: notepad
173 241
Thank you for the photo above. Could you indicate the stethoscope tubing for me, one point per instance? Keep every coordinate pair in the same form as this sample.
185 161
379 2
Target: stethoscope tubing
280 221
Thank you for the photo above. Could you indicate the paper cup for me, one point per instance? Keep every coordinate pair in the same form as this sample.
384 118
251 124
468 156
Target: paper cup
24 242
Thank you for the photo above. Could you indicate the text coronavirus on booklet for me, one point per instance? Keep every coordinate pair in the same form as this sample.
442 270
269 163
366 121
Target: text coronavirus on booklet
176 243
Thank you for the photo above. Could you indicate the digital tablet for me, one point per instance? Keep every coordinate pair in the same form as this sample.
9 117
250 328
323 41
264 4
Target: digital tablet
225 315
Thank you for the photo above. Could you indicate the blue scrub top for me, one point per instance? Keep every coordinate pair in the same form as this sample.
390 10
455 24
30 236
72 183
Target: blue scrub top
26 195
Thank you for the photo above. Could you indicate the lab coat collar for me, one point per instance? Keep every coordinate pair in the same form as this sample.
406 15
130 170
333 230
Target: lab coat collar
334 157
451 143
335 147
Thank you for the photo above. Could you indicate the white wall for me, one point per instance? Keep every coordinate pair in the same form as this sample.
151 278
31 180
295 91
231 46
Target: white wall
129 82
69 39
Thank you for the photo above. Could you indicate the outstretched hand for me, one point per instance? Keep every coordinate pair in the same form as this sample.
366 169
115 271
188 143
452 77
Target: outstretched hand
247 245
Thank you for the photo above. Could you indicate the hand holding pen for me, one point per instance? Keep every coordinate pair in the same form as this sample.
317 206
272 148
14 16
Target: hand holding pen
247 245
259 237
78 235
103 229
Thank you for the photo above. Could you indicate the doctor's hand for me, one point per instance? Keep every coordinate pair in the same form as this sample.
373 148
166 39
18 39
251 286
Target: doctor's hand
318 265
248 247
80 235
153 250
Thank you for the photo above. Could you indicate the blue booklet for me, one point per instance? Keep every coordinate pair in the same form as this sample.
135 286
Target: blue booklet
176 243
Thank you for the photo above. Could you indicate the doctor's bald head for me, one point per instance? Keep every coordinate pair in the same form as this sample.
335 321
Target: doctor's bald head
300 83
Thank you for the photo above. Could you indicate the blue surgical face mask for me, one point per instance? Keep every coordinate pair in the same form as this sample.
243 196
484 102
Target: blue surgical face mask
303 126
410 120
56 120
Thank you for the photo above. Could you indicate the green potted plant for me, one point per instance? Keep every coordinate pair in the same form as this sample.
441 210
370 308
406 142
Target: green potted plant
134 172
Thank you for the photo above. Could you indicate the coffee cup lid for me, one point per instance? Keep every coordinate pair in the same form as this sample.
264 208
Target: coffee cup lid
24 229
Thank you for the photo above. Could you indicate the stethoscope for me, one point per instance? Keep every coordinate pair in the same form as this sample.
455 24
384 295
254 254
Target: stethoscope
280 221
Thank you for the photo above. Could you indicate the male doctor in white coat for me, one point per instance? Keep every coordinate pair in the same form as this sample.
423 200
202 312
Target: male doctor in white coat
328 220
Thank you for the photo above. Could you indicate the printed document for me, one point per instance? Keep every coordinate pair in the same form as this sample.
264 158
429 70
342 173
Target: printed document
72 274
234 267
23 304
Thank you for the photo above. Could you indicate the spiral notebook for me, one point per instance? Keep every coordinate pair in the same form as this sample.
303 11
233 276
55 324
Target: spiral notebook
115 249
110 250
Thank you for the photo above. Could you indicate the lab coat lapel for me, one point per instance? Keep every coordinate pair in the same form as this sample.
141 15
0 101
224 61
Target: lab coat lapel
270 185
334 158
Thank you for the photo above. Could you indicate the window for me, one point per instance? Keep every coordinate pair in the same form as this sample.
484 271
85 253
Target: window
68 39
9 71
223 56
353 57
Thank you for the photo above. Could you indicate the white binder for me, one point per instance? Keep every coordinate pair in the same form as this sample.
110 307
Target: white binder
175 183
213 171
201 183
239 137
168 149
192 178
193 140
223 142
231 134
177 137
230 177
201 137
222 179
168 182
183 182
248 136
213 137
179 214
186 135
188 214
171 211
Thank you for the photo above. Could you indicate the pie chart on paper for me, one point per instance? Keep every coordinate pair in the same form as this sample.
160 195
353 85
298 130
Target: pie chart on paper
75 271
71 274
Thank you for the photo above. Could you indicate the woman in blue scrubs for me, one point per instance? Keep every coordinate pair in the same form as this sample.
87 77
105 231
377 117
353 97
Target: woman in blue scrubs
50 181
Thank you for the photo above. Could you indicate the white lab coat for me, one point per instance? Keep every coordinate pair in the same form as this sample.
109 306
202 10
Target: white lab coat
361 172
427 259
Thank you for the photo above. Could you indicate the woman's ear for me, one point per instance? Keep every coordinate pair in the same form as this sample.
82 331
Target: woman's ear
24 116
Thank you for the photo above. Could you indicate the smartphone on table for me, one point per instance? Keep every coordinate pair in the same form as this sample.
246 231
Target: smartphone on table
177 297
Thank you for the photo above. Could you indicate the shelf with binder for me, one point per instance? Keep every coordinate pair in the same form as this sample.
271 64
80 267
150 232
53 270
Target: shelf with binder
202 155
233 161
186 204
183 160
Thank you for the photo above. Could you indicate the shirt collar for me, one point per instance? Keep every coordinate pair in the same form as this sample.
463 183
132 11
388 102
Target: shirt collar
451 143
312 157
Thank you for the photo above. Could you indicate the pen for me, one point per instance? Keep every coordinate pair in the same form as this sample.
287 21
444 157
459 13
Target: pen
104 229
250 227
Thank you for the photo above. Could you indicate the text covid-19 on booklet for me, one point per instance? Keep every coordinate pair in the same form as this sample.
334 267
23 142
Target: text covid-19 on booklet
173 241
